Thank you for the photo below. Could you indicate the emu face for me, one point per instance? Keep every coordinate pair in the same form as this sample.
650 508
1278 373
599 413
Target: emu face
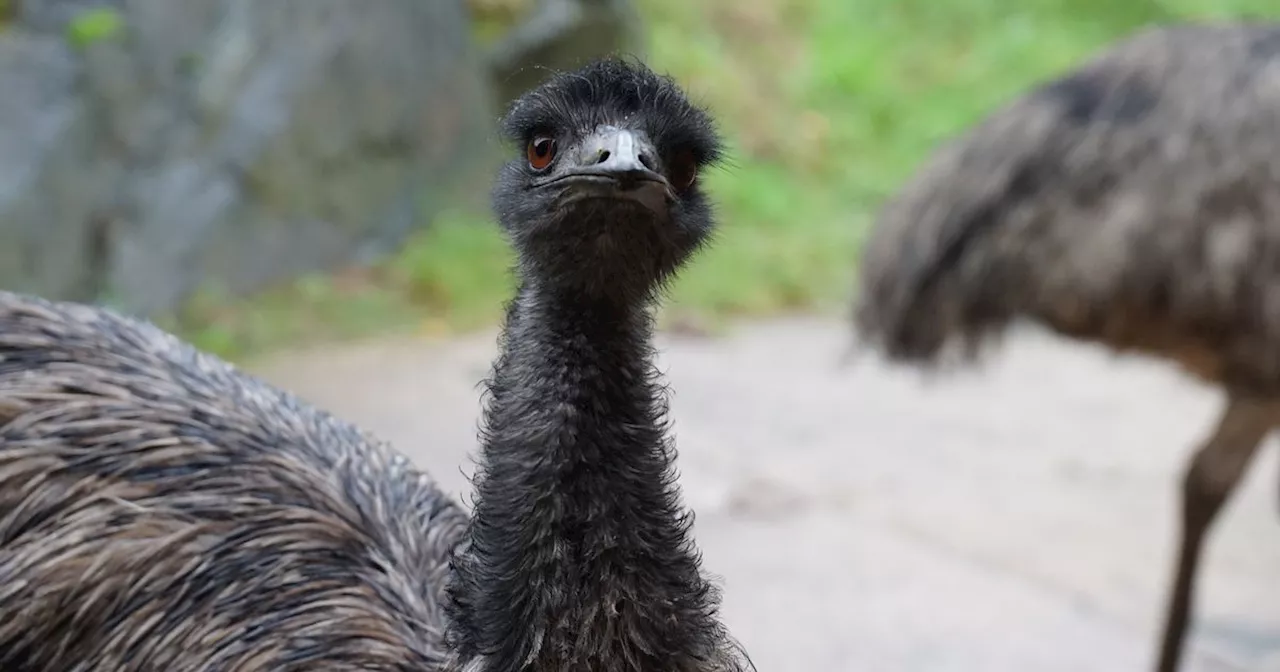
604 195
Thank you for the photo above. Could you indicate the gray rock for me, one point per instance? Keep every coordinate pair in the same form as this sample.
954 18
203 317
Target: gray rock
52 16
560 35
229 143
49 185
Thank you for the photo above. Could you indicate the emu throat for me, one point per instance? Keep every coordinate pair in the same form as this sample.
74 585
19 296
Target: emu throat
577 531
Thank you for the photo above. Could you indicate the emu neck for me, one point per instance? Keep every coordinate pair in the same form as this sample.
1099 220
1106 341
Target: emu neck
579 553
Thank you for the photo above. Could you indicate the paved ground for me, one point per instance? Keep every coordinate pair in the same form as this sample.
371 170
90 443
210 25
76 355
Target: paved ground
1016 519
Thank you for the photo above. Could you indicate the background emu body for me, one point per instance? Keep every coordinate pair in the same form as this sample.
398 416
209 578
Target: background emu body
1134 202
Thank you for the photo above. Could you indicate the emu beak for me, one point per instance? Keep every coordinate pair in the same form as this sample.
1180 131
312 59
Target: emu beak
615 163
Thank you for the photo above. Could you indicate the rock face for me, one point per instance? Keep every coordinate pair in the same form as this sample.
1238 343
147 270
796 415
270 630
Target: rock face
228 143
561 35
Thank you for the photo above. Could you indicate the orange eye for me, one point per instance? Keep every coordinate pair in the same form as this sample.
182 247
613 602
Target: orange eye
684 170
541 151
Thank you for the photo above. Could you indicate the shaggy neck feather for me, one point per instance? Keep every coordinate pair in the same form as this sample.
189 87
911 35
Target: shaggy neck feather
579 554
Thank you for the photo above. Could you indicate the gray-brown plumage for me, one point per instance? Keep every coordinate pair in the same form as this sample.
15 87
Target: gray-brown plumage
1135 202
160 511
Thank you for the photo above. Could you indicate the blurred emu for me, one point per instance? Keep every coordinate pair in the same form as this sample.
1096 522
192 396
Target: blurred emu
1135 202
160 510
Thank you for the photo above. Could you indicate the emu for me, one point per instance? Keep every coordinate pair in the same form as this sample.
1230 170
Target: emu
1133 202
160 510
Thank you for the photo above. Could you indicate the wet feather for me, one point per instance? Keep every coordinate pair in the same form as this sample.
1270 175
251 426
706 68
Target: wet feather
161 510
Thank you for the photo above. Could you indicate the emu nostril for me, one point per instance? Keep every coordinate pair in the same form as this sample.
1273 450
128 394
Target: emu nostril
647 161
602 156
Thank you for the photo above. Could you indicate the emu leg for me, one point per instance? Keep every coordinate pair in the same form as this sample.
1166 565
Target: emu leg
1210 477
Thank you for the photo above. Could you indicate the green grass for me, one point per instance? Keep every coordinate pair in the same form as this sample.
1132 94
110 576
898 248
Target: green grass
828 104
453 277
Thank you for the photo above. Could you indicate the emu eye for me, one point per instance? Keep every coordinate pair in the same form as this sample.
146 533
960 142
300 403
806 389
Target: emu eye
541 151
684 170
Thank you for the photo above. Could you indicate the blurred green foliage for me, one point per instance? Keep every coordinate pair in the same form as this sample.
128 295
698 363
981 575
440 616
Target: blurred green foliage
828 104
491 18
93 25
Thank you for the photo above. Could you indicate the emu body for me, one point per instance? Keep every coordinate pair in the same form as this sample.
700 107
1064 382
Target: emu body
160 510
1134 202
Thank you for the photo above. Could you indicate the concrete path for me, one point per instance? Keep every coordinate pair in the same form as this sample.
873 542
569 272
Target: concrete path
1017 518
